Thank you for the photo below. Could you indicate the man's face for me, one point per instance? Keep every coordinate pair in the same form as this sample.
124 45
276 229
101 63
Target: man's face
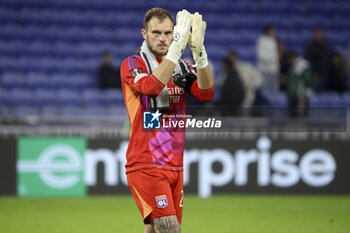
293 61
233 58
107 58
272 32
318 34
158 36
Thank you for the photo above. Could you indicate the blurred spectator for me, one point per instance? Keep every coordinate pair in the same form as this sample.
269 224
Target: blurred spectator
338 80
232 92
349 59
284 64
268 61
109 76
195 106
318 54
250 78
299 84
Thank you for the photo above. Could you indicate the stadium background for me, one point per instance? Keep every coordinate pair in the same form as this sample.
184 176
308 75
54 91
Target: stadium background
49 55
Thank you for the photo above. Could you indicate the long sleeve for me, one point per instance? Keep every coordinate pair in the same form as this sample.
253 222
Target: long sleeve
134 73
202 95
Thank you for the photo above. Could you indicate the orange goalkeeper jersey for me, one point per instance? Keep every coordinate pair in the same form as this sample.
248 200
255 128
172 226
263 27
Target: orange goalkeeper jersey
162 148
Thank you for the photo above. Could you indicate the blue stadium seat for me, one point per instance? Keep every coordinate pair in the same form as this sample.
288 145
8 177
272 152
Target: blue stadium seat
58 79
21 96
68 17
13 47
11 31
10 80
69 97
116 111
125 19
4 99
328 104
71 111
92 97
89 49
9 64
35 31
128 34
38 80
76 81
5 112
338 38
27 63
45 97
50 111
331 99
346 99
79 65
278 100
113 97
214 19
63 48
100 34
216 52
93 111
314 101
46 64
40 48
327 99
25 111
85 80
8 14
127 49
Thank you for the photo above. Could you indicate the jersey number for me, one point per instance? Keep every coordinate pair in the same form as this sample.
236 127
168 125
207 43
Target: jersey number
182 199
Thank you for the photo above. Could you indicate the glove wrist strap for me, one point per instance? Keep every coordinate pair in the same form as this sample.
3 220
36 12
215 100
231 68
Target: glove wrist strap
173 57
202 63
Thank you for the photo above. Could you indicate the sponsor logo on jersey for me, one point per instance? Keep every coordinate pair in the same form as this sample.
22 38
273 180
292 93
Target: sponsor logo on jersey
161 200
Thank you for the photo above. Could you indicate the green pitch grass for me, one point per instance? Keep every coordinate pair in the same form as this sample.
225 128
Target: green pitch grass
221 213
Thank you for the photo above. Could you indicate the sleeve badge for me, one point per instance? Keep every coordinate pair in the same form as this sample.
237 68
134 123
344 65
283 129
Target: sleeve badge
136 72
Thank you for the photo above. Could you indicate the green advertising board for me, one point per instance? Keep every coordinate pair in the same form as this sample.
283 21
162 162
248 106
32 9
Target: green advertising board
50 166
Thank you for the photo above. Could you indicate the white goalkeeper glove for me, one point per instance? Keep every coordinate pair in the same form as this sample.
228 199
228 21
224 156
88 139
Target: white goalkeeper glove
180 36
196 41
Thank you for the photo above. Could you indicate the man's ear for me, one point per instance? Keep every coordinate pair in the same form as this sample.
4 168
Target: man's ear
143 32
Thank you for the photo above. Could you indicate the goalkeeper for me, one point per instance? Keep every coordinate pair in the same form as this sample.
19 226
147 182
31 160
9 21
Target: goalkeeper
155 81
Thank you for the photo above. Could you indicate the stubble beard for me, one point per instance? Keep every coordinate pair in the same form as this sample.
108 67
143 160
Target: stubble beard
154 52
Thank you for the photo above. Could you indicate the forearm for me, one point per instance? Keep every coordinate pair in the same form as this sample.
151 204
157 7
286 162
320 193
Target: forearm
164 71
205 78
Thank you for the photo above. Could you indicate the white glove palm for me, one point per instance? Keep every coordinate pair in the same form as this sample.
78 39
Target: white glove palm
180 37
196 41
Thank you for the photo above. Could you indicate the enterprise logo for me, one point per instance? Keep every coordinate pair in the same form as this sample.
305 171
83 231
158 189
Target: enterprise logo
50 166
58 158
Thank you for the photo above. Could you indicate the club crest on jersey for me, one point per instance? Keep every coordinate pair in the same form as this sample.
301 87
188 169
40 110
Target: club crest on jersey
161 200
136 72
